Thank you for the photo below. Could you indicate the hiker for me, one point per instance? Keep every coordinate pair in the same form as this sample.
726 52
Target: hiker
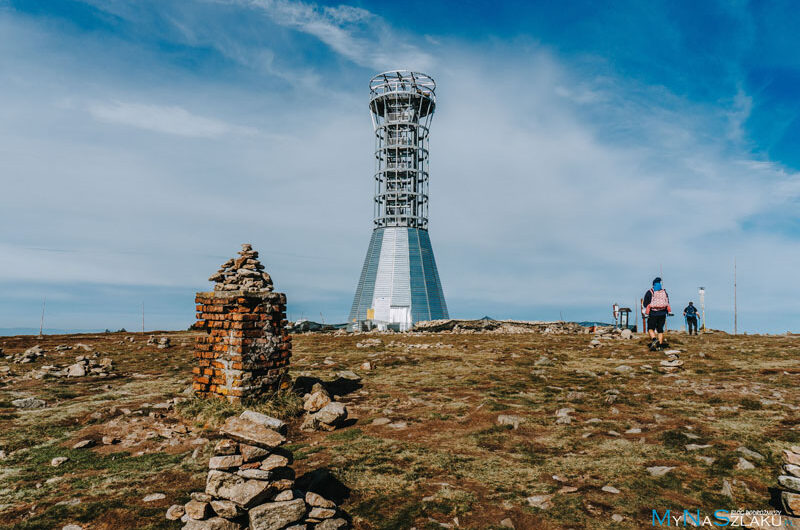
691 317
656 307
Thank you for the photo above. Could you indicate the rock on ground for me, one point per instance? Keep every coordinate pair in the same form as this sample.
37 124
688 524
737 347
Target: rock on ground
215 523
268 421
154 497
276 515
540 501
508 419
250 432
29 403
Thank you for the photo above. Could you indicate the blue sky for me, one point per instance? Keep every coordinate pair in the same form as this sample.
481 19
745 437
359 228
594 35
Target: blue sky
578 149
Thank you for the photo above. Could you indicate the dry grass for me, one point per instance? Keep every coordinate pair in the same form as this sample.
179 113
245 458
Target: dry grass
451 460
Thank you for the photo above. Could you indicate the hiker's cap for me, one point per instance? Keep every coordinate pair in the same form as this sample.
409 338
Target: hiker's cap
657 280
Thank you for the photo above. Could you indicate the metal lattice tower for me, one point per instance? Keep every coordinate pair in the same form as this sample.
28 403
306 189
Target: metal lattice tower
399 282
401 106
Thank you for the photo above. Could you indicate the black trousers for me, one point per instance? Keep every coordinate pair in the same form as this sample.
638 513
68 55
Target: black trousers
692 322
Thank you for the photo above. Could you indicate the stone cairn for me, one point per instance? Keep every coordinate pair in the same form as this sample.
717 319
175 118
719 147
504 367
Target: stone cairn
789 481
250 484
247 348
322 413
673 363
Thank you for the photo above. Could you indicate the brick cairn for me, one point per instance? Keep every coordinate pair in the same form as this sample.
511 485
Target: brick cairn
246 350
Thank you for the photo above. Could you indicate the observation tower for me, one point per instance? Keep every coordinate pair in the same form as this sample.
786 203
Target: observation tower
399 283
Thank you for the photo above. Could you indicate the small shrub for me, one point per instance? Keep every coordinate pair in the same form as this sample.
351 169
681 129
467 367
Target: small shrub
750 404
674 439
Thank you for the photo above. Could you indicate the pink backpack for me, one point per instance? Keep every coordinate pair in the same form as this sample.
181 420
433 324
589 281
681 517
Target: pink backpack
660 300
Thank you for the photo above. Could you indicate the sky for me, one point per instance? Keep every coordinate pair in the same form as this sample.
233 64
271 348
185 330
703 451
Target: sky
578 150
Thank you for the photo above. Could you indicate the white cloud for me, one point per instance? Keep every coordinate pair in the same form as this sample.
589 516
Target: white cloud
549 188
164 119
357 34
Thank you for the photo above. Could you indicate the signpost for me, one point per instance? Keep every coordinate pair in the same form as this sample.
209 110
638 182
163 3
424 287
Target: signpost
702 292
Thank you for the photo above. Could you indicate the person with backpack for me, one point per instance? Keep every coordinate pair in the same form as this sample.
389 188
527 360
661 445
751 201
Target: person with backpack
655 307
691 317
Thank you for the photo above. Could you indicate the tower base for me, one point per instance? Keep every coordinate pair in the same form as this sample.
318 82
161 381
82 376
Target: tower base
399 282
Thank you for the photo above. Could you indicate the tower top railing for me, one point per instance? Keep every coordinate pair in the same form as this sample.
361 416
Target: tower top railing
402 81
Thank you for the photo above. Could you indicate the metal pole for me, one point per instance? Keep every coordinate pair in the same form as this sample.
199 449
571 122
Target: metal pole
735 305
142 318
41 322
644 319
703 305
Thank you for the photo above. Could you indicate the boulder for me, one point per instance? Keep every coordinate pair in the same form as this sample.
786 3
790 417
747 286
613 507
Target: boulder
540 501
791 503
276 515
197 510
225 462
286 495
509 420
334 413
200 496
791 469
226 509
250 432
322 513
749 452
790 457
790 483
274 462
175 512
245 493
57 461
257 474
215 523
251 453
659 471
318 501
153 497
316 401
76 370
28 403
256 417
226 447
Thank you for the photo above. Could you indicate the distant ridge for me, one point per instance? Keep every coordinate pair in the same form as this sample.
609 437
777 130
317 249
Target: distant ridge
10 332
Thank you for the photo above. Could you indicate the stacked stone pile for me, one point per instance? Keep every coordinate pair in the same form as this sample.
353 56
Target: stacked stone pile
789 481
84 366
322 413
161 343
608 333
29 355
498 326
673 363
244 273
246 350
250 484
89 366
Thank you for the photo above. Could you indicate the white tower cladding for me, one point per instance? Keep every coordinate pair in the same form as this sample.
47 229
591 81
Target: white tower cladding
399 282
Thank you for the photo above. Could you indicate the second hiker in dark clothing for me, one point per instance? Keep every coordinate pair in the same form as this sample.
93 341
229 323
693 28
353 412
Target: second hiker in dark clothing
655 307
691 317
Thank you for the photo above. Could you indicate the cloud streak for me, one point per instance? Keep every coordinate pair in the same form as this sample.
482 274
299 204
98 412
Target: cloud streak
164 119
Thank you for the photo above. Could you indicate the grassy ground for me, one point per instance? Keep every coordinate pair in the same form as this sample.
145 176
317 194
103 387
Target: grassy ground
443 459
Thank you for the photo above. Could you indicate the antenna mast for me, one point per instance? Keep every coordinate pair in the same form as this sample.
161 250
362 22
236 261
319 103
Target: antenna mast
735 305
